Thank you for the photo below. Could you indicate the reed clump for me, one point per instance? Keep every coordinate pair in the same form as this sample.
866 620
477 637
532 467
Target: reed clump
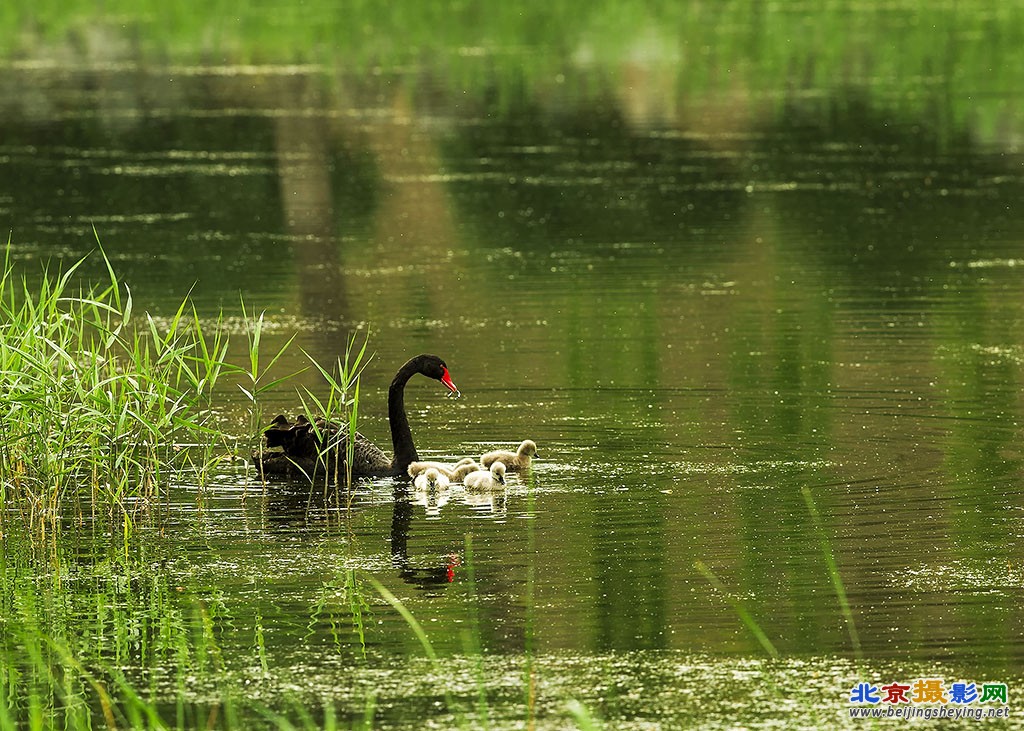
98 404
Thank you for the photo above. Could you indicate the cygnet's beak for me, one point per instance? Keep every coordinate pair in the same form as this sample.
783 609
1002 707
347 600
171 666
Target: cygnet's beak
447 381
501 479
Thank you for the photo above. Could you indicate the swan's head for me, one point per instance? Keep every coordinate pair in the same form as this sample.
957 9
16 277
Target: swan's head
529 448
433 477
498 472
433 367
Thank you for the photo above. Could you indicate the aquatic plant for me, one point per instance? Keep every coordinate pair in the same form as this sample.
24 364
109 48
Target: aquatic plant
741 611
342 403
99 405
833 571
349 586
103 405
585 721
255 376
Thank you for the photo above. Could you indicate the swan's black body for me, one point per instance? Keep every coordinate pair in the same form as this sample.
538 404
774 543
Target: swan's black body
302 448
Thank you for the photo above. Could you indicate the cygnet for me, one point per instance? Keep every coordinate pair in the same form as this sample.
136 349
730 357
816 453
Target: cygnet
493 479
518 460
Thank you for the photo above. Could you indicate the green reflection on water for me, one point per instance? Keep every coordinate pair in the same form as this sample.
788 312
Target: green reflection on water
896 47
776 251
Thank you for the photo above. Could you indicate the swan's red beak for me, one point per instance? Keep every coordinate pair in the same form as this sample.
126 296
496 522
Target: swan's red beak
447 381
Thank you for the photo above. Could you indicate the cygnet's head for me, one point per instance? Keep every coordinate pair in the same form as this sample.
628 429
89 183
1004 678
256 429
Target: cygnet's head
433 476
498 471
529 448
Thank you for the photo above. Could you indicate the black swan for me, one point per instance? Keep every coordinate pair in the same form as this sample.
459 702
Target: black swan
294 449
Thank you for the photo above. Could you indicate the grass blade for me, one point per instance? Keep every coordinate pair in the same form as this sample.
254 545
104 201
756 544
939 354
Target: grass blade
745 616
833 572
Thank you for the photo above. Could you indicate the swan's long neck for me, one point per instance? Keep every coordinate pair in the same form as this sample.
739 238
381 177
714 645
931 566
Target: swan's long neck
401 435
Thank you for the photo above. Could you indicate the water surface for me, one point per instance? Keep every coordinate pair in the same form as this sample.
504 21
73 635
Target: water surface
695 310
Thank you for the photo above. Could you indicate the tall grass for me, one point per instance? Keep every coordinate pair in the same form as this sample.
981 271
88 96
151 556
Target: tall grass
833 571
529 649
255 374
471 637
99 405
340 407
425 643
47 682
102 407
741 611
54 674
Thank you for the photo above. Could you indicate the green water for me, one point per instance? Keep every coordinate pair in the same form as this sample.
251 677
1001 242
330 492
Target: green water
700 281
